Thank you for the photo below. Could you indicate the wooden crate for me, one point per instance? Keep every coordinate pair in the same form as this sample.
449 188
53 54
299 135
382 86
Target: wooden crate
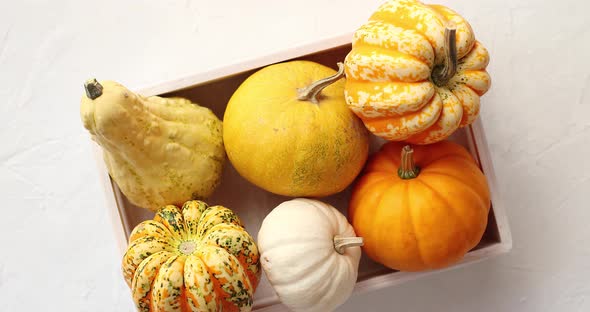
214 88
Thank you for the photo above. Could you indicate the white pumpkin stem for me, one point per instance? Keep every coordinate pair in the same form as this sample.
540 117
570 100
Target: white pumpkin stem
443 74
93 88
312 92
341 243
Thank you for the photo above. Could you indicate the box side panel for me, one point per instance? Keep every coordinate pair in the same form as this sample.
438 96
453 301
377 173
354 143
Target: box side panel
114 207
395 278
487 166
241 66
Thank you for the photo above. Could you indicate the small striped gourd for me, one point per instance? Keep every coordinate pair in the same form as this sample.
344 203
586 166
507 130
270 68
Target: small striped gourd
415 72
197 258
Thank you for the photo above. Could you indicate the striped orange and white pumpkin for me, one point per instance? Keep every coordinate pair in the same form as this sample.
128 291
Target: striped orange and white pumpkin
393 72
197 258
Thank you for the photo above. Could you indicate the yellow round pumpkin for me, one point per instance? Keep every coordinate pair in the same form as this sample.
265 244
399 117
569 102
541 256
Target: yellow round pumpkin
290 136
197 258
416 72
423 214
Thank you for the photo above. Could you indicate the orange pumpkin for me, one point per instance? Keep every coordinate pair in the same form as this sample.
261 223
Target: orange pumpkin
415 72
423 214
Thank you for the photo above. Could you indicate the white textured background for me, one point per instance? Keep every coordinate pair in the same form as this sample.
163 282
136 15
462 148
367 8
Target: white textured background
58 252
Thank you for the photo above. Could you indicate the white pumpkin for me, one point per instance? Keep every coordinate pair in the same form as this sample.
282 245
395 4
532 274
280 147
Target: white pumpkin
310 255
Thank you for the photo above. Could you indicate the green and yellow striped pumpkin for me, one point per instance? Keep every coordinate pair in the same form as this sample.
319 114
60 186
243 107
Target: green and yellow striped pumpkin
197 258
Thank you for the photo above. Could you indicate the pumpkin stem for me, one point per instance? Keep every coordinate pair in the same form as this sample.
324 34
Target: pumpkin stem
187 247
312 92
341 243
93 88
442 74
407 169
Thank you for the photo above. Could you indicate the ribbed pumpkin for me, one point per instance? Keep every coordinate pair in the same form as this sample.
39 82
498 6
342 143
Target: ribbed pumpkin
310 255
415 72
197 258
420 215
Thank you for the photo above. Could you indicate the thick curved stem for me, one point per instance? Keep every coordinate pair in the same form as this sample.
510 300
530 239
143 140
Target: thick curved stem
443 74
408 169
93 88
341 243
312 92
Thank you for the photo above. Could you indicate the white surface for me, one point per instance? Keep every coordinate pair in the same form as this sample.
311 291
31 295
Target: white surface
59 252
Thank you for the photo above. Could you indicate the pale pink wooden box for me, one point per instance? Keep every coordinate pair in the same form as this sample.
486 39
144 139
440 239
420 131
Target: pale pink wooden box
214 88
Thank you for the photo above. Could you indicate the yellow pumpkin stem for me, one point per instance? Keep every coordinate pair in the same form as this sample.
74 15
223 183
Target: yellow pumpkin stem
93 88
442 74
408 169
341 243
312 92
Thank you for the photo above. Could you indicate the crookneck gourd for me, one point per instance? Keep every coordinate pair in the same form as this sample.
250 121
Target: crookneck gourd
420 208
288 131
415 72
158 150
197 258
